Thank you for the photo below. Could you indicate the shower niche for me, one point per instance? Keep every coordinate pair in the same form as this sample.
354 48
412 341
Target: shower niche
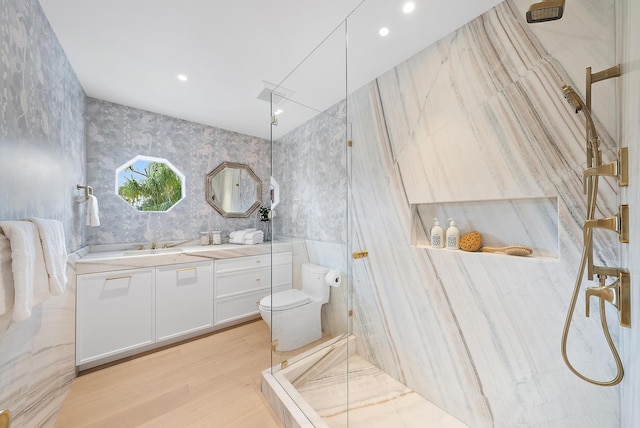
522 221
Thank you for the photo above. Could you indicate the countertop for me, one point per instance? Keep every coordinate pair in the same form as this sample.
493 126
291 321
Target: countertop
108 258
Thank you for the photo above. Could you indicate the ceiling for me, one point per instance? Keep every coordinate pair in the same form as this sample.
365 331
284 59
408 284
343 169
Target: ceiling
130 52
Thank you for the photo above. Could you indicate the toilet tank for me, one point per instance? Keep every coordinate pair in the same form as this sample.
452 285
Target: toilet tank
313 281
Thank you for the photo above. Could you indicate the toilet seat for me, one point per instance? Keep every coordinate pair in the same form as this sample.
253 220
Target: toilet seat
284 300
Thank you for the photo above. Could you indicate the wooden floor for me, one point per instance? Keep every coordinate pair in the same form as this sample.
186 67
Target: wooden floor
209 382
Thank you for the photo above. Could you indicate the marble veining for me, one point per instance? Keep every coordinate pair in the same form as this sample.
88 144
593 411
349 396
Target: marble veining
480 116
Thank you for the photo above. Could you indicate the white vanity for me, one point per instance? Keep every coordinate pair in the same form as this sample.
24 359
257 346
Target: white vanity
129 303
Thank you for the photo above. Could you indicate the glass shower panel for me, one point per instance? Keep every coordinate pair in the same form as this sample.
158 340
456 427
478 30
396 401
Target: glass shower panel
309 165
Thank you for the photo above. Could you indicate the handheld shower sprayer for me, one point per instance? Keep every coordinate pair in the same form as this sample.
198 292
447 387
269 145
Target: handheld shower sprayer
546 10
576 102
617 293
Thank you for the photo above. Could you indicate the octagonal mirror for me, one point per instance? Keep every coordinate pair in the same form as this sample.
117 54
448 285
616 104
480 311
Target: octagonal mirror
150 184
233 189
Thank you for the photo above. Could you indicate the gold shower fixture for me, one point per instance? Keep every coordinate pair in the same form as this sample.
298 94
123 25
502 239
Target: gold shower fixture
546 10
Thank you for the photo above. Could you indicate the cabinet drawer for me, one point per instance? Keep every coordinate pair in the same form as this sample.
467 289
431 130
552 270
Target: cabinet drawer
241 306
249 262
243 263
229 284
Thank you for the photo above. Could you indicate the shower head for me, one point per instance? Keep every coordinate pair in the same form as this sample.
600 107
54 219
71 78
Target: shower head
546 10
573 98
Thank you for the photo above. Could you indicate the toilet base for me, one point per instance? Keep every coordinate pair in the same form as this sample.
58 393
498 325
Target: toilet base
296 327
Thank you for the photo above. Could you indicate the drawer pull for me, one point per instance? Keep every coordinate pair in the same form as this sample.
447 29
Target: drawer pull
186 269
119 277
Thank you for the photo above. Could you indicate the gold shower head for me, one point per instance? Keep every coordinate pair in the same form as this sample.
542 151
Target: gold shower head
546 10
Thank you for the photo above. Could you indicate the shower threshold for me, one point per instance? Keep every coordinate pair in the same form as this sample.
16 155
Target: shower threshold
312 392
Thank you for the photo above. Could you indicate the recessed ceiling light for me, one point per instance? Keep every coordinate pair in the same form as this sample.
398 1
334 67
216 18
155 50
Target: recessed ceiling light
409 7
182 77
384 31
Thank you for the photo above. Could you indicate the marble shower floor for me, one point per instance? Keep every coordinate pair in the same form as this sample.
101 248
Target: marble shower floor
314 390
375 399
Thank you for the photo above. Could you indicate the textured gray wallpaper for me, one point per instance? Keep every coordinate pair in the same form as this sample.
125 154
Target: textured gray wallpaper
42 158
117 133
42 152
310 164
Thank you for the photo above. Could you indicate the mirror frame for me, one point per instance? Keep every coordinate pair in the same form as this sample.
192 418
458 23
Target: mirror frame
219 209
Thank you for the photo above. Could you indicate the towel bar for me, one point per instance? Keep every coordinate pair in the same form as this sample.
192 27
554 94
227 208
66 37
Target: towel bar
88 190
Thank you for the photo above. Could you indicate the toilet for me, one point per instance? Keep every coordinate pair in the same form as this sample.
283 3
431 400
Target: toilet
294 315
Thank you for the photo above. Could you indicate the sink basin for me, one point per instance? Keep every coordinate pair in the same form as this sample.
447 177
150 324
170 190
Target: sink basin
150 251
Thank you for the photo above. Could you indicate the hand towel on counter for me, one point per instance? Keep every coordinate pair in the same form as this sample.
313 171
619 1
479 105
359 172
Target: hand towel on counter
93 218
254 237
238 236
30 282
55 252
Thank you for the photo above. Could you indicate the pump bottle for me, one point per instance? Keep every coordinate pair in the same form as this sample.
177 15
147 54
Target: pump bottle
453 236
437 238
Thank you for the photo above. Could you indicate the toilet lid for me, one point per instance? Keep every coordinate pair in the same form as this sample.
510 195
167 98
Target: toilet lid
285 300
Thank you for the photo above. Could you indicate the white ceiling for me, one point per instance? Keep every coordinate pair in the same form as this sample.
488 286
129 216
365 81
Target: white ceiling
130 51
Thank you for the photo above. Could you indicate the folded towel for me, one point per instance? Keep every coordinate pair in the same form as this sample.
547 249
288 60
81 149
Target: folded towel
253 241
237 236
253 234
92 212
30 282
55 252
6 276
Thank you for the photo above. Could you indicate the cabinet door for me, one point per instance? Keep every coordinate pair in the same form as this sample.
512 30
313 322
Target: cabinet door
184 298
114 313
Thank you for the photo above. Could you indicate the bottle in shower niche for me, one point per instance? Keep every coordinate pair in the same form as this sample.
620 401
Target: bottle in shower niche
453 236
437 238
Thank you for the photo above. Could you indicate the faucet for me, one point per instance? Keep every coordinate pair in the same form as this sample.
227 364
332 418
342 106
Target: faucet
153 246
618 293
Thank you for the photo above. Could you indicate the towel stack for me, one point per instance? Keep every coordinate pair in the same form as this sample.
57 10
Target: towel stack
246 237
38 263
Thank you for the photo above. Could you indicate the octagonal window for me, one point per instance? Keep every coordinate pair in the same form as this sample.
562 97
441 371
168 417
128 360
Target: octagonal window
150 184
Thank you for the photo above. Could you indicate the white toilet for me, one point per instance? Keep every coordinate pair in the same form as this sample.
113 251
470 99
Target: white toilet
294 315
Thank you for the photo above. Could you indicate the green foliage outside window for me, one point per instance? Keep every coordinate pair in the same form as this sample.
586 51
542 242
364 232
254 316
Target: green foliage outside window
156 188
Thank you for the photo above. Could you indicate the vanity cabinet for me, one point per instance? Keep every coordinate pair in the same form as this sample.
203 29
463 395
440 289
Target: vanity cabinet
183 299
124 312
115 313
241 282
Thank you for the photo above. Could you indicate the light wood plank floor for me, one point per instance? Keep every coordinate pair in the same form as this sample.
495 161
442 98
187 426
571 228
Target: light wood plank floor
210 382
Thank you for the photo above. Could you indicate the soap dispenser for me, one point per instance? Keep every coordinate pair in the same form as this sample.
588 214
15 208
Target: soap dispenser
437 240
453 236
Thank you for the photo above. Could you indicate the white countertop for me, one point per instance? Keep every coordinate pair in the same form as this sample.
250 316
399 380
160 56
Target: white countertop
121 257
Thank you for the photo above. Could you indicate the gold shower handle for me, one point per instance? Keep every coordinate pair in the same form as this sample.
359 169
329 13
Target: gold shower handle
618 223
618 293
610 293
618 168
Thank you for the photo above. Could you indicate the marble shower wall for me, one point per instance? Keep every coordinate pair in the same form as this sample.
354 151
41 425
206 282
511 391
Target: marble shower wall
117 133
480 116
628 12
42 158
